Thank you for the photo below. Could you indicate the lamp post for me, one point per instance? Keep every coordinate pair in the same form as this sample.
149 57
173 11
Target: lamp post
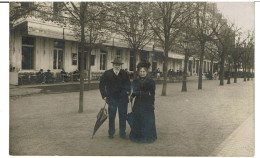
228 79
184 75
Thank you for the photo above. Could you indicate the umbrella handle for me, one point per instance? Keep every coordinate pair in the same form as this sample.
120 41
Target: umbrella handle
131 105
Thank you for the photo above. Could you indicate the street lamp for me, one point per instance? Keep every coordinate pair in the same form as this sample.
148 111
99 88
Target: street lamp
185 45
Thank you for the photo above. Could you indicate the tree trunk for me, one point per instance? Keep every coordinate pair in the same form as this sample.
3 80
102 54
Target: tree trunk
228 77
89 68
81 94
165 65
134 62
202 47
244 72
248 75
184 75
235 74
211 67
221 73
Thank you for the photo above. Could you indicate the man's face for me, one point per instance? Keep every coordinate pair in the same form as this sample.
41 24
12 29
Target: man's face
116 66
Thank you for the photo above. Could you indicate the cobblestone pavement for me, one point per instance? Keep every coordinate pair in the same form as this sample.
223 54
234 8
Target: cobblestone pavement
205 122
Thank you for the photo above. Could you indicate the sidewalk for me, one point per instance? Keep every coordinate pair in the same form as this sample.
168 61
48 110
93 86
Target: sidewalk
240 143
23 90
49 88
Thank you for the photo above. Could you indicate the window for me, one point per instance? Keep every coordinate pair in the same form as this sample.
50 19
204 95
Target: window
58 54
144 55
92 62
27 53
74 57
131 61
118 53
103 60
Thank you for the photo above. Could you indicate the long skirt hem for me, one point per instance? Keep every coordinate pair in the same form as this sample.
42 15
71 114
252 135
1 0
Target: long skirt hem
142 140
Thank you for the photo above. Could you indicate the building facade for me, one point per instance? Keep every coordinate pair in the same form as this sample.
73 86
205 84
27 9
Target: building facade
36 44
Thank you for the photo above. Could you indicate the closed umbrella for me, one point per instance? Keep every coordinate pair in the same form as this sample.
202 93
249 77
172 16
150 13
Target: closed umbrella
130 116
101 118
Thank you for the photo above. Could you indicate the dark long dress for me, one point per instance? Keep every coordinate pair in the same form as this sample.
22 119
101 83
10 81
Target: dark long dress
143 129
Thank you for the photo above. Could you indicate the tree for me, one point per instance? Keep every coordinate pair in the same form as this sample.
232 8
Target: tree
206 22
88 17
212 53
226 39
188 43
248 55
21 9
237 54
167 20
129 20
189 50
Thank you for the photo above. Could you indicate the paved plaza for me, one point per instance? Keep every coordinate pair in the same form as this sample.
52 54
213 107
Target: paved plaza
214 121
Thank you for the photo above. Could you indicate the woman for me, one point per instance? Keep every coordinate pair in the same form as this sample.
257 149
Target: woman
143 129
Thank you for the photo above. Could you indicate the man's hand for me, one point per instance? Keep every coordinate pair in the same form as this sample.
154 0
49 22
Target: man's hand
105 98
128 94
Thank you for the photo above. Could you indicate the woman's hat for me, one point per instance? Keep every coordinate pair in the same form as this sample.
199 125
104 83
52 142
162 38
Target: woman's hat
117 61
144 63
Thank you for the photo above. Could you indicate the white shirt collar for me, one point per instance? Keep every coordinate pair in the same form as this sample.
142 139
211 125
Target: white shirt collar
115 71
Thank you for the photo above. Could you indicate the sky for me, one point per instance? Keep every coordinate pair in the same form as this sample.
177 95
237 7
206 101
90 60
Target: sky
242 14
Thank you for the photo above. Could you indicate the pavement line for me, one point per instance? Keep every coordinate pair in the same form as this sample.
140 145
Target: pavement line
239 143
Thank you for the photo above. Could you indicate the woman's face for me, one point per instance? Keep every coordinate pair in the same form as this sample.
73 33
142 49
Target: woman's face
142 72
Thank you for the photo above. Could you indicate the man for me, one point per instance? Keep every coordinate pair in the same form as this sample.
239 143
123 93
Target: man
115 88
158 72
40 76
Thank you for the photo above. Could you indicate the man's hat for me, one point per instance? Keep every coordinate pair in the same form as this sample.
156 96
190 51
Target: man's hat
117 61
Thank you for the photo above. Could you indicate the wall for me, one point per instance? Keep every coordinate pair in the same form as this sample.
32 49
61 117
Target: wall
15 50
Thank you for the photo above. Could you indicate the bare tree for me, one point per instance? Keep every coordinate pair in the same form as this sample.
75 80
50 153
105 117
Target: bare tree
248 55
21 9
237 54
206 22
226 39
212 53
129 20
167 20
88 17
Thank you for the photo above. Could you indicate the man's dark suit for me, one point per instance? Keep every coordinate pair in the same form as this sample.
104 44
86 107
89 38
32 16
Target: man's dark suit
116 89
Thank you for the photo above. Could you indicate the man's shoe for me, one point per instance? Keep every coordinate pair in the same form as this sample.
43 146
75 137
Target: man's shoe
111 136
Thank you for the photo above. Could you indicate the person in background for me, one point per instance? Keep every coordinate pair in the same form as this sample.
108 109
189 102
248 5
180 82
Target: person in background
40 76
76 75
48 76
158 73
64 75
